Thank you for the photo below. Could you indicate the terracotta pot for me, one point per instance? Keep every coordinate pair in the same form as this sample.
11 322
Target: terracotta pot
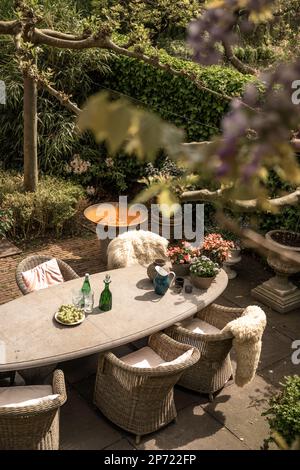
201 282
181 270
151 271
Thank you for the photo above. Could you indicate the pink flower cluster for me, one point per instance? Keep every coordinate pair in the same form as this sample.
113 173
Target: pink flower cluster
183 253
216 248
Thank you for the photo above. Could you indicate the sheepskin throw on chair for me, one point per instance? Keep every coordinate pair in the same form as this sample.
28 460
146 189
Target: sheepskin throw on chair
135 247
247 331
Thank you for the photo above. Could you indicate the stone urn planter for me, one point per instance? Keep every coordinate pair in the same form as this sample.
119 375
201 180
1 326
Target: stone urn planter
278 292
234 257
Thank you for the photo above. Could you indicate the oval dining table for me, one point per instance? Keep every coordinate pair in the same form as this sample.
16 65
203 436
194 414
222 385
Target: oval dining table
30 336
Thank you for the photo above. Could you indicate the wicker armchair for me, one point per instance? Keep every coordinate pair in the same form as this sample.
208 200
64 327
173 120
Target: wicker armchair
33 261
140 400
213 369
33 427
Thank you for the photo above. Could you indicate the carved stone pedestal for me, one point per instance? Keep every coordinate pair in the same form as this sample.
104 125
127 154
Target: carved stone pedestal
274 294
278 292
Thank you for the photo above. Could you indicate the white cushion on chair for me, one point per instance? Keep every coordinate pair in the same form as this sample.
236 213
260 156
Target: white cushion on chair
42 276
196 325
28 395
147 358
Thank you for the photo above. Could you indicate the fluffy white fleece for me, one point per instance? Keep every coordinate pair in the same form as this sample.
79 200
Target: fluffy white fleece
135 247
247 331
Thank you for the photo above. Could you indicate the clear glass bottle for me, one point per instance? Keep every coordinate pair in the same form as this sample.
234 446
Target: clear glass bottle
105 302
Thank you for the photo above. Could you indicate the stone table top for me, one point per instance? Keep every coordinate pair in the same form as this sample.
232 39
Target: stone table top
30 336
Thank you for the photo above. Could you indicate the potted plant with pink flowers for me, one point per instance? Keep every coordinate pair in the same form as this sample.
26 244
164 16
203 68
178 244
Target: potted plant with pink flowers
181 256
216 248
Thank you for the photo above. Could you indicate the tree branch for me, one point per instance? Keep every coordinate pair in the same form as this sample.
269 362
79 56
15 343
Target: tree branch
60 35
11 27
235 61
291 199
38 37
62 97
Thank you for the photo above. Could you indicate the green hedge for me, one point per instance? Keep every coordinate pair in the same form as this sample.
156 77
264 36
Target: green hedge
50 210
175 98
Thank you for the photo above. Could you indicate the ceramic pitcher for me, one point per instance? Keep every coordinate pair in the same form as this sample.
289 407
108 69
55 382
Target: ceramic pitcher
162 280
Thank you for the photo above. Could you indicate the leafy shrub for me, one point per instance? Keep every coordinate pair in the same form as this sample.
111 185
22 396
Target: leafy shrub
6 221
51 209
283 414
176 98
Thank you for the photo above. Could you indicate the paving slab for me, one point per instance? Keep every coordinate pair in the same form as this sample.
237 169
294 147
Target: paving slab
195 429
85 388
287 324
82 428
239 409
121 445
275 346
184 398
275 373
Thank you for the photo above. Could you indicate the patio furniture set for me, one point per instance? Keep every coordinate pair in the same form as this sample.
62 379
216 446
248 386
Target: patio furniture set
189 343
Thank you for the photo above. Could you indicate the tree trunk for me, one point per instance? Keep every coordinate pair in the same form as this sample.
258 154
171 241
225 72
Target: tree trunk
30 135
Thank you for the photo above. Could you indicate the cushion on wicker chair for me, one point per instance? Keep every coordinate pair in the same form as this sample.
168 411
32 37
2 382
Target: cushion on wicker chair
147 358
28 395
196 325
42 276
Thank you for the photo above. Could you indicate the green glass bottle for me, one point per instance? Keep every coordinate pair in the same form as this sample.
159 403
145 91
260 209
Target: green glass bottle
86 287
105 302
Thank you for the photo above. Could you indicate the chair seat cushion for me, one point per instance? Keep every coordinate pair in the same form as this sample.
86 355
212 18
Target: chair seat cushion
196 325
147 358
29 395
42 276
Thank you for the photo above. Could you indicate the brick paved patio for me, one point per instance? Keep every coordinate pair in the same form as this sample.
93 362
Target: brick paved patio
232 421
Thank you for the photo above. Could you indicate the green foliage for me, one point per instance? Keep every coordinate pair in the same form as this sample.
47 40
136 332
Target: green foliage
119 122
204 267
255 55
6 221
283 414
51 209
175 98
148 21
